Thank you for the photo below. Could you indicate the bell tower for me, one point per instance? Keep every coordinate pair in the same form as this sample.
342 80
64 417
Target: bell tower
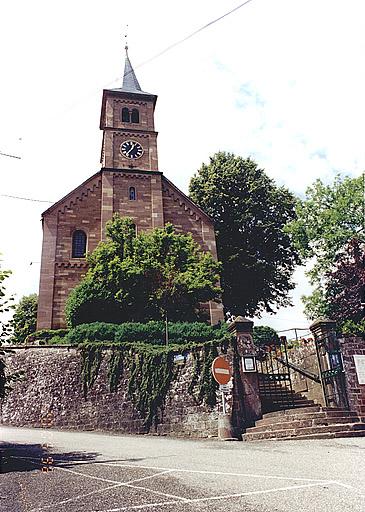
127 121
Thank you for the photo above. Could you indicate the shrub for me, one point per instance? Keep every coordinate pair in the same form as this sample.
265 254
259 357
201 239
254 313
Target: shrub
265 335
45 335
351 328
152 332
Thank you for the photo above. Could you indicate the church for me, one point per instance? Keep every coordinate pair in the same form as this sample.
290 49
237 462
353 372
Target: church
129 183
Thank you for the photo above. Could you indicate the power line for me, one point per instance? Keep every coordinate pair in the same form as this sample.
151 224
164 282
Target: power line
168 48
190 36
26 199
10 156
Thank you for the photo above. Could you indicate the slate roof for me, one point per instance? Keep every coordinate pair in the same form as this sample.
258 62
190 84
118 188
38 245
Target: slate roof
130 82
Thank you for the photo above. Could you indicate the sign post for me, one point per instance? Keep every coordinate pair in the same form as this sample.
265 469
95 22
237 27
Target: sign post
222 374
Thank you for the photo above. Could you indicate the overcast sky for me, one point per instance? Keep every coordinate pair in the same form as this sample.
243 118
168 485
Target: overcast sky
280 80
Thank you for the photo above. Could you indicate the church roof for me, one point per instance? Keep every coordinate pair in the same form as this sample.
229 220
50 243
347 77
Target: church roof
130 81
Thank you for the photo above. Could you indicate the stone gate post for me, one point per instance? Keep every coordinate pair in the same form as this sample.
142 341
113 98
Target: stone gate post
353 355
246 396
323 329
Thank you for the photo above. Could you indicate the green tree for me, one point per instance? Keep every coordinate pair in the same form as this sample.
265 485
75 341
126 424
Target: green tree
265 335
143 277
327 219
250 214
24 320
6 305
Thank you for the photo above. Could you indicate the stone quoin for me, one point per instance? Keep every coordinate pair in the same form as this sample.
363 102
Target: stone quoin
130 183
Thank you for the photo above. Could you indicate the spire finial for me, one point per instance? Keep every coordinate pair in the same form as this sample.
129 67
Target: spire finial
126 40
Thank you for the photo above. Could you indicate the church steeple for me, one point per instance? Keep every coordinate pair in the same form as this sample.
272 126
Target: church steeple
130 82
127 121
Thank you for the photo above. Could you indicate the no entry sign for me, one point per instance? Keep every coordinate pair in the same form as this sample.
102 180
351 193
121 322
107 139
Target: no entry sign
221 370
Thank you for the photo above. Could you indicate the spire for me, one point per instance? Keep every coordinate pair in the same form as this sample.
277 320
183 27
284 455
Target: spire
130 82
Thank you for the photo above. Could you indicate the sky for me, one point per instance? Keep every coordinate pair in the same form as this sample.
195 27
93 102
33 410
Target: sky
281 81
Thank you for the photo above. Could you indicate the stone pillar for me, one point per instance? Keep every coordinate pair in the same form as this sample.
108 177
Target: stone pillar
352 348
323 329
156 202
47 275
246 395
106 201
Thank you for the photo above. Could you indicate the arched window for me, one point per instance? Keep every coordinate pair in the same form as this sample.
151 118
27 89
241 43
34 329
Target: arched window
132 194
135 116
79 244
125 115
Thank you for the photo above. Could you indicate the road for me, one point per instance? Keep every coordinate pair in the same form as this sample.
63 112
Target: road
98 472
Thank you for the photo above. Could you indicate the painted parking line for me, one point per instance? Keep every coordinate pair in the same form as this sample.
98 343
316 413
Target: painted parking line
213 498
81 496
176 500
118 483
202 472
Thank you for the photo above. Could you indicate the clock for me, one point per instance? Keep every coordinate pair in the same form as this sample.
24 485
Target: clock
131 149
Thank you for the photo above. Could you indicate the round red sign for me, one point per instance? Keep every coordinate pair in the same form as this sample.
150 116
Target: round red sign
221 370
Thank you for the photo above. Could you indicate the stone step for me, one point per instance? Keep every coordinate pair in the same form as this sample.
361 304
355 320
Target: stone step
328 435
291 433
290 396
284 404
294 415
302 423
311 408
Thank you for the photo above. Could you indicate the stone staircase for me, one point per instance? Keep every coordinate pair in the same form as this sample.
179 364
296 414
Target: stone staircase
313 422
276 397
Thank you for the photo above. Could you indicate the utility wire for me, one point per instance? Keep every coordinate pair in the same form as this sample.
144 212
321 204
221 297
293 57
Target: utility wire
168 48
10 156
189 36
26 199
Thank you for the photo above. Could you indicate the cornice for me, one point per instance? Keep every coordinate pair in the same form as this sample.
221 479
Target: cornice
76 195
72 264
184 201
130 171
135 131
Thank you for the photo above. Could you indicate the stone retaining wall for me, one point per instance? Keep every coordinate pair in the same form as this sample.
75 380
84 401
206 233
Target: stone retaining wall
51 394
305 357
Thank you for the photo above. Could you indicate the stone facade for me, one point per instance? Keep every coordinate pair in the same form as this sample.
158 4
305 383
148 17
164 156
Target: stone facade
305 356
156 201
51 394
355 391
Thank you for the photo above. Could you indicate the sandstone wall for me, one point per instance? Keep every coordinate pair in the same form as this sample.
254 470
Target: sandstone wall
51 394
355 390
305 357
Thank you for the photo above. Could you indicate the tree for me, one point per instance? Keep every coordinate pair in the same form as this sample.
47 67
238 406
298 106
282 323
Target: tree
265 335
250 214
345 284
6 304
327 219
24 320
143 277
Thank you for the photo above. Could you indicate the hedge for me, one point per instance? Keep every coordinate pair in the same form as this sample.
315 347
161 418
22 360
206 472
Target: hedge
152 333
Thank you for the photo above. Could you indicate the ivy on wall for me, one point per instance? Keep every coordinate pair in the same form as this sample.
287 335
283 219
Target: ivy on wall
152 371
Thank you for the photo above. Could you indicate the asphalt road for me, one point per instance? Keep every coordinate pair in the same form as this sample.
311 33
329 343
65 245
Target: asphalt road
96 472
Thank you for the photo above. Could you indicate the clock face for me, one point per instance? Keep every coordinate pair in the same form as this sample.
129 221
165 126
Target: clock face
131 149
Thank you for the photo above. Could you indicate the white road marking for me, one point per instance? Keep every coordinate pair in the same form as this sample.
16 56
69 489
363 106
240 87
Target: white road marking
348 486
215 498
160 493
80 496
203 472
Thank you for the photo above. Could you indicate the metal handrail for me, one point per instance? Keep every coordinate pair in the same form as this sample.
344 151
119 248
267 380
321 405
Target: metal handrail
302 371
